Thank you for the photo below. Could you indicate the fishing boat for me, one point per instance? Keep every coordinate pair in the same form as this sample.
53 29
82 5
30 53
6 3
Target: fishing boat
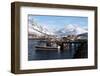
46 48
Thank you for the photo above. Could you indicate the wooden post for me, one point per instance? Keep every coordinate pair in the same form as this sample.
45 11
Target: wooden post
75 46
62 47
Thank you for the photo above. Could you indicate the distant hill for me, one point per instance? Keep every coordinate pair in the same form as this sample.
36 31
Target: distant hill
83 36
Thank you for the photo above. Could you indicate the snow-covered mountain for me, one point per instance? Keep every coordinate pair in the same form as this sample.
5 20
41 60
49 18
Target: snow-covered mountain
71 30
37 29
83 36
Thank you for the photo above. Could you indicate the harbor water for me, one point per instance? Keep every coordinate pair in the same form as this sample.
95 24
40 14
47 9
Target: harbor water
34 54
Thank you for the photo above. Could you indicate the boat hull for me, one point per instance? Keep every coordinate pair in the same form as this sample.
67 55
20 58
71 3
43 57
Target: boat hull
45 48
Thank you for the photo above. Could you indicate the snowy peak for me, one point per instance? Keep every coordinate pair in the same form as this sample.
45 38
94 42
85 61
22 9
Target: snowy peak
71 29
77 29
35 28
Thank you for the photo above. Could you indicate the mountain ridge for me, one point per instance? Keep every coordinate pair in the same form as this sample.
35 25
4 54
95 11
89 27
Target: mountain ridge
71 29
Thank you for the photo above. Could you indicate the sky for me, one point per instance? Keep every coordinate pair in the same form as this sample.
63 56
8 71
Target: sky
58 22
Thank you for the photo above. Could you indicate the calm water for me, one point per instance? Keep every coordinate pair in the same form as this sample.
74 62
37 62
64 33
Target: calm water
34 54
